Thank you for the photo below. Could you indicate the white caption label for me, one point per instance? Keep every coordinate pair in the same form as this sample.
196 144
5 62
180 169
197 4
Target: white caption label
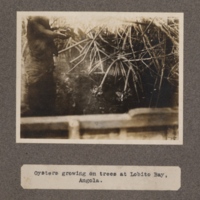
100 177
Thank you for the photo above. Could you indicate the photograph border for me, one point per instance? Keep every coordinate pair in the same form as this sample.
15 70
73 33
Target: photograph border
93 141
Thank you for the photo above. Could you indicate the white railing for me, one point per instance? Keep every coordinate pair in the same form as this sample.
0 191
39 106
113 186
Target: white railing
136 120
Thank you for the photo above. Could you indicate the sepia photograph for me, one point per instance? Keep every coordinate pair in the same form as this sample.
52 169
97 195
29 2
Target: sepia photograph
99 78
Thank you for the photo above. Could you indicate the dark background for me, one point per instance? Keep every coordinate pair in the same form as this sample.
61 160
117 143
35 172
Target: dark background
13 156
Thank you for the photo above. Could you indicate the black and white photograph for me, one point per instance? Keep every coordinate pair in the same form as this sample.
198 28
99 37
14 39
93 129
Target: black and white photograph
99 77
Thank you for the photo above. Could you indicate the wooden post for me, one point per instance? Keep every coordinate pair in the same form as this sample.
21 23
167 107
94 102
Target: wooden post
74 129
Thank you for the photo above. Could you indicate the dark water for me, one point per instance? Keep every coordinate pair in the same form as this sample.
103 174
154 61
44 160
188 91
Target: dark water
78 93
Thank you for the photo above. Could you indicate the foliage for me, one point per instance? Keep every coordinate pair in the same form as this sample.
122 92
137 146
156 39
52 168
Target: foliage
131 52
